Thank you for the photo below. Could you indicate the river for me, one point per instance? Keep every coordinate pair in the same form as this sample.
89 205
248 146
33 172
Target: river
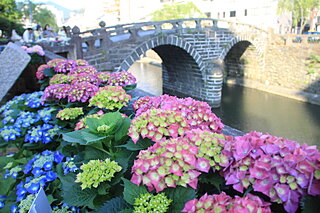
249 109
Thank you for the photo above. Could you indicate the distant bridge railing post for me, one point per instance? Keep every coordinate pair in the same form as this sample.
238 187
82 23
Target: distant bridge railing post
77 42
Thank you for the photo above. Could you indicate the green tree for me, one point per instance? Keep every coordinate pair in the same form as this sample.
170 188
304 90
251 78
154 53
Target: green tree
41 16
44 16
8 10
177 11
301 10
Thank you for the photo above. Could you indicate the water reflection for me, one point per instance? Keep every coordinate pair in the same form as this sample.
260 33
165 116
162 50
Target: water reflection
249 109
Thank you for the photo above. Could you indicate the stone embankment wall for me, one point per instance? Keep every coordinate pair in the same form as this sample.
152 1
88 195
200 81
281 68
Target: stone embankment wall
286 70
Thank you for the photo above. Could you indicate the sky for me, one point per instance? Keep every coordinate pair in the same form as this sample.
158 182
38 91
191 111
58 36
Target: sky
70 4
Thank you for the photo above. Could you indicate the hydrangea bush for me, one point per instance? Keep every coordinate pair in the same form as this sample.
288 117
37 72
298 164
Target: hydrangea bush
165 155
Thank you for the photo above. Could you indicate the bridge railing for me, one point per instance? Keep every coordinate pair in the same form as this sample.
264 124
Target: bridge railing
91 40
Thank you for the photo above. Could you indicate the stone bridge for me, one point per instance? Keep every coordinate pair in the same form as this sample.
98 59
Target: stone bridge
193 51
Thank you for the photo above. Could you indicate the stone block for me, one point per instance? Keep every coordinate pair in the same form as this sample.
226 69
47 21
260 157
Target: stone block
13 60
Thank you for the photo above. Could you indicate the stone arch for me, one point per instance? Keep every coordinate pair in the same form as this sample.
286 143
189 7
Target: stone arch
243 58
238 39
170 41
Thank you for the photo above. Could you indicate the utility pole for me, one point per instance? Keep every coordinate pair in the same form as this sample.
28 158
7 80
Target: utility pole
30 11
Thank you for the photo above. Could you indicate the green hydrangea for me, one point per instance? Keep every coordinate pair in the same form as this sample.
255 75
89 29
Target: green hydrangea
110 97
60 79
148 203
64 209
96 172
70 113
26 203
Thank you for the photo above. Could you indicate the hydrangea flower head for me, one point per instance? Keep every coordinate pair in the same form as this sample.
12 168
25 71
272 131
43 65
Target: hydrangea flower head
224 203
85 77
281 169
146 203
197 113
157 124
110 97
166 164
70 113
97 171
54 62
83 69
26 203
39 74
60 79
122 78
81 62
65 66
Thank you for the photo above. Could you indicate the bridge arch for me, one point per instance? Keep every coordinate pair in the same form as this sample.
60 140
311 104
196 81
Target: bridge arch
243 58
170 42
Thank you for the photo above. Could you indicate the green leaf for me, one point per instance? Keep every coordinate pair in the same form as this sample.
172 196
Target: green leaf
122 131
91 138
6 185
93 123
141 144
212 178
74 195
310 204
102 188
132 191
111 118
49 72
74 137
114 205
129 87
179 197
91 153
126 211
4 161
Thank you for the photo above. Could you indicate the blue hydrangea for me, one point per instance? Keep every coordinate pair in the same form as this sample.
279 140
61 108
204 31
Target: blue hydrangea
69 166
40 167
45 114
33 100
43 134
14 209
2 199
26 119
12 172
10 133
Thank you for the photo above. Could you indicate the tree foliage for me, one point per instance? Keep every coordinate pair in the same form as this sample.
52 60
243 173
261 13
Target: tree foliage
301 10
177 11
8 10
41 15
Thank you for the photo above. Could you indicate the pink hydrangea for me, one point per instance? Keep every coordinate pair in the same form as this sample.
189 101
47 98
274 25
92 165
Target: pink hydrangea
65 66
85 77
82 62
103 76
39 74
224 203
197 113
81 92
167 164
282 169
56 91
122 78
61 79
54 62
83 69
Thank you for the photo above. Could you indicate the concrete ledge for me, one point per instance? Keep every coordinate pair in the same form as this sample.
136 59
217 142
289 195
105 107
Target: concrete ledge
277 90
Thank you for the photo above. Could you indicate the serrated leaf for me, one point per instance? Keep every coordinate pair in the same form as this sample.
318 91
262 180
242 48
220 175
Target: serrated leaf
93 123
91 153
179 197
4 161
114 205
141 144
132 191
75 196
102 188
